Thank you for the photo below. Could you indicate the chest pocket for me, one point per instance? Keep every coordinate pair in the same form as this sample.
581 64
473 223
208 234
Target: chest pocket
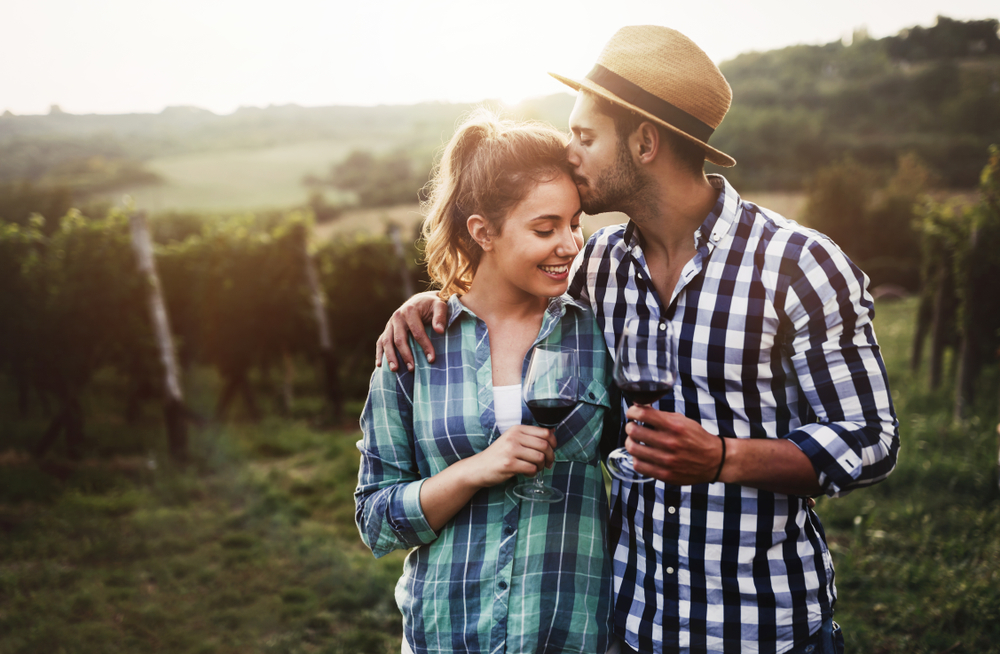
579 435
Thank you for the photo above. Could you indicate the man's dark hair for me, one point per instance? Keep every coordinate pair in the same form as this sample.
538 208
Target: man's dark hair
691 156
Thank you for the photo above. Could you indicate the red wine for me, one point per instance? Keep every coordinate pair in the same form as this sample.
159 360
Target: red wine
549 413
645 392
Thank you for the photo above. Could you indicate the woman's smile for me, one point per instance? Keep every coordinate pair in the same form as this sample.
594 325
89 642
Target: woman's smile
559 272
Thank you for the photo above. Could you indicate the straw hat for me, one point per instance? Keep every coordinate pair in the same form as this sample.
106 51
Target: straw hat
661 74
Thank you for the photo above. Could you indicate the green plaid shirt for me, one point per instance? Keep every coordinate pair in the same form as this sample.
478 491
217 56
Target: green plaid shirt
504 575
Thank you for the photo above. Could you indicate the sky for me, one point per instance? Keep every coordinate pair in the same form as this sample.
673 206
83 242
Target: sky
125 56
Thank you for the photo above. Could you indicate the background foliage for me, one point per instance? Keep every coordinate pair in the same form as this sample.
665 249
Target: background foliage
107 545
934 92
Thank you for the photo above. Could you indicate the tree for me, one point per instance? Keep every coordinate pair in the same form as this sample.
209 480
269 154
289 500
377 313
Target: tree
379 181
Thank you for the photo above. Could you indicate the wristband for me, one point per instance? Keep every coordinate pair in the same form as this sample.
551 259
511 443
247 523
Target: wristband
722 462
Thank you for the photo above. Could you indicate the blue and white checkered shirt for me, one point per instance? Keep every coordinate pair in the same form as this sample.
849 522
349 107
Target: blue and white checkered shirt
775 340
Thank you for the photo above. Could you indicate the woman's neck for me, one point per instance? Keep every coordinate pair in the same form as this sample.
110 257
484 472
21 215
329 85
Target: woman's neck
495 300
513 319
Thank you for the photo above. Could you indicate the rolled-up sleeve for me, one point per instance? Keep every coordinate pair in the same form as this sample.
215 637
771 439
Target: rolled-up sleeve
855 438
387 498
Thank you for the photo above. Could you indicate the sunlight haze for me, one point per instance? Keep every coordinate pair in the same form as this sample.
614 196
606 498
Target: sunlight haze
122 56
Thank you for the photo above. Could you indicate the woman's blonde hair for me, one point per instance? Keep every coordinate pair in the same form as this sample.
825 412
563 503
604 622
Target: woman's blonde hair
488 167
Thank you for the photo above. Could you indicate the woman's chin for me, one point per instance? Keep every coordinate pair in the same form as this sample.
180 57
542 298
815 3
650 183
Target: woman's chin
556 289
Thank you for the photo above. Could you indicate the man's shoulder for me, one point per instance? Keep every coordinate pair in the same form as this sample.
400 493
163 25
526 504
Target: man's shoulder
772 221
799 254
605 242
607 236
778 231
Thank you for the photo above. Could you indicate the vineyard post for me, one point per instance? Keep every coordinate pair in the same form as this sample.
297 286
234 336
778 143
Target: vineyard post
939 339
174 410
966 377
968 367
924 317
397 245
998 455
287 381
328 356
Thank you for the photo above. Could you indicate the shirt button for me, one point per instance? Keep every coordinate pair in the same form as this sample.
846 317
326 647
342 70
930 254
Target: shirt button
509 530
503 584
671 510
663 327
670 571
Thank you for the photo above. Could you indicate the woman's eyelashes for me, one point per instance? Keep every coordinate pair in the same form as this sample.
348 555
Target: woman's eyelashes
574 227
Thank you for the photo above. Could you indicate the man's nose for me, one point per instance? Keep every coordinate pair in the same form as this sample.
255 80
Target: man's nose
572 154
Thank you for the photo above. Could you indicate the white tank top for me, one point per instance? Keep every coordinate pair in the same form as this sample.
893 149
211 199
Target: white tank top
507 406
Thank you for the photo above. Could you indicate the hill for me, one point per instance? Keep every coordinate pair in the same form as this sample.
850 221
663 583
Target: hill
930 91
190 159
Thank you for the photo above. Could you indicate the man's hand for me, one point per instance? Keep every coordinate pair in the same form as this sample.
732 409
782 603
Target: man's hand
675 449
409 319
671 447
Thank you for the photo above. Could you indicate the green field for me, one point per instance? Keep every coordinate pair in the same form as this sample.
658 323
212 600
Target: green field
252 548
261 178
250 179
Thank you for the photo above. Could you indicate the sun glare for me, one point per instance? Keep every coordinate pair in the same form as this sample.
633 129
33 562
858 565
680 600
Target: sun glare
228 54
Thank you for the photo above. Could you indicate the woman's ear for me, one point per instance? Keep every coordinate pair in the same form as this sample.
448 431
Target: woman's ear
479 230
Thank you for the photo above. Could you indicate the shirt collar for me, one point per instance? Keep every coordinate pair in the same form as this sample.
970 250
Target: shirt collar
716 224
722 216
556 307
456 308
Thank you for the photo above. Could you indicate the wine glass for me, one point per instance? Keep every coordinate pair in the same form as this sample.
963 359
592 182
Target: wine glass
551 390
645 370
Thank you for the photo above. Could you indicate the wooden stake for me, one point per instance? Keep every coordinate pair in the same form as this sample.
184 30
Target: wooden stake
174 411
940 322
397 245
329 357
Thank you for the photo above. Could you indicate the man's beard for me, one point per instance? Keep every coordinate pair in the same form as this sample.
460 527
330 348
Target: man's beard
619 187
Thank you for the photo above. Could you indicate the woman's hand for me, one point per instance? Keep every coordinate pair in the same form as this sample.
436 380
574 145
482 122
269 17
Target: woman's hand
409 319
521 450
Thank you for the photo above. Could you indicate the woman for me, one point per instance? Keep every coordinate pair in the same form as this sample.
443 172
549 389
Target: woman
445 443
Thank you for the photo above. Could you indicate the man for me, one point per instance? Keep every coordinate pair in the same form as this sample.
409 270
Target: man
782 392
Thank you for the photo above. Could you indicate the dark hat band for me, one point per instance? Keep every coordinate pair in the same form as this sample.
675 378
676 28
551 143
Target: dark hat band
643 99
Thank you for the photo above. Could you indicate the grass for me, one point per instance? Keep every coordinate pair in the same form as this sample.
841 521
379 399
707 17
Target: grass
253 548
918 556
